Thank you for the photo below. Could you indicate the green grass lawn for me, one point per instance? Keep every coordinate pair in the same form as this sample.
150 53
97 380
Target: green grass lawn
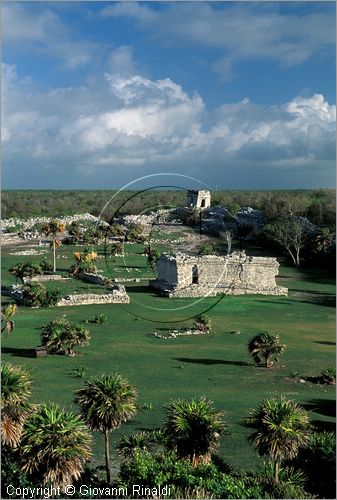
217 365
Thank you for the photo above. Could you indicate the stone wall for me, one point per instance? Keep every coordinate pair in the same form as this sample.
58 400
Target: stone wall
113 297
209 275
45 277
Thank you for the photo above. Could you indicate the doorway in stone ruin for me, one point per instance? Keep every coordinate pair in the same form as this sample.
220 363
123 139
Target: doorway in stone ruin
203 202
195 275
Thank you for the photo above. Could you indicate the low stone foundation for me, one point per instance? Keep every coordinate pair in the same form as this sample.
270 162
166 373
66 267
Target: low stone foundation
45 277
113 297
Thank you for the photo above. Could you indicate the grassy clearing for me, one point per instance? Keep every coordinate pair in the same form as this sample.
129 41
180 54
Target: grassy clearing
216 365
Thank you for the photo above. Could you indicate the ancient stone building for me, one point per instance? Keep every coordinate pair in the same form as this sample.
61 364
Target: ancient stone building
197 276
198 199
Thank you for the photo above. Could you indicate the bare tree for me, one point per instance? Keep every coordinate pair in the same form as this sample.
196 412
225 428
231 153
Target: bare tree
228 236
291 234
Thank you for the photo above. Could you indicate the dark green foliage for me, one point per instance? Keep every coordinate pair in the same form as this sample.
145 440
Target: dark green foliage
37 295
46 267
11 471
60 336
202 322
27 270
135 233
193 428
116 248
264 347
282 428
99 319
153 470
152 256
291 483
207 249
328 376
55 446
318 461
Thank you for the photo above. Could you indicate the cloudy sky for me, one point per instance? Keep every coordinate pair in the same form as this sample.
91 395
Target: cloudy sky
236 94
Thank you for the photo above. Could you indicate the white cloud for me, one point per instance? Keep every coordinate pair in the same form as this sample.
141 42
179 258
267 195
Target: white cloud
25 28
239 30
121 123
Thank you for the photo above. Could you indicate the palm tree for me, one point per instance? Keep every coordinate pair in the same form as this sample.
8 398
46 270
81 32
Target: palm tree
7 312
282 428
15 390
52 228
193 429
263 347
55 446
105 402
136 441
61 336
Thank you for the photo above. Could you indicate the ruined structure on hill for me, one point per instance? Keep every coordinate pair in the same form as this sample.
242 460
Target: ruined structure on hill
209 275
198 199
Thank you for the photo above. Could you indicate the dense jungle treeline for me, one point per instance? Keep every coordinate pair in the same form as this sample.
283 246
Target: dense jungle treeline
318 205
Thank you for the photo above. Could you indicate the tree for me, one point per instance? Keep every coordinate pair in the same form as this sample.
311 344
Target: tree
15 390
7 312
227 236
105 402
52 229
193 428
318 461
203 323
291 234
282 428
263 347
128 445
54 446
61 336
26 270
84 262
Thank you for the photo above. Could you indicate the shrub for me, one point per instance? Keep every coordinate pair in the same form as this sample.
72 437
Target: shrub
99 319
36 295
60 336
207 249
264 347
45 267
26 270
318 461
328 376
203 323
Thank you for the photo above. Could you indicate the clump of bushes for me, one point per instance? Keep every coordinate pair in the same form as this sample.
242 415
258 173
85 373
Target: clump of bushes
37 295
202 323
99 319
264 348
328 376
135 233
60 336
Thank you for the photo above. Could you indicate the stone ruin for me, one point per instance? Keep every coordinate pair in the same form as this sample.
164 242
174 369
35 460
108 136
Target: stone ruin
198 199
209 275
116 295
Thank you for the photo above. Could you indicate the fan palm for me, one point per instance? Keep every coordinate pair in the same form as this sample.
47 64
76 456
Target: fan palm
26 270
55 446
105 402
193 429
15 390
282 428
61 336
263 347
7 312
52 229
136 441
